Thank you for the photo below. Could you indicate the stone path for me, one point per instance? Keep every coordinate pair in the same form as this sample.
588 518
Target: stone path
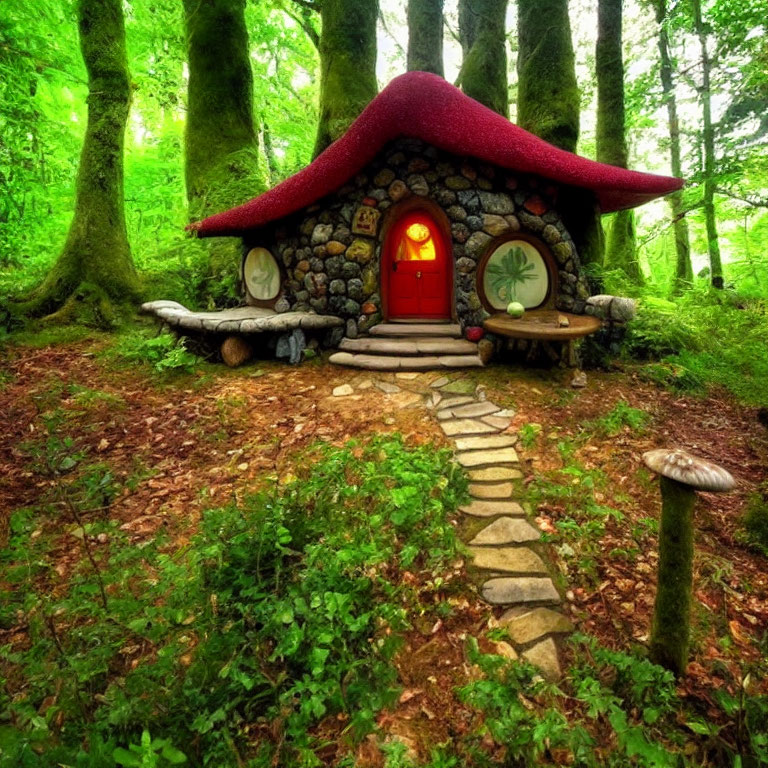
513 574
505 548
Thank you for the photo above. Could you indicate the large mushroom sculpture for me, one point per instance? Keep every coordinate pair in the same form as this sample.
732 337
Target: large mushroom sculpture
681 476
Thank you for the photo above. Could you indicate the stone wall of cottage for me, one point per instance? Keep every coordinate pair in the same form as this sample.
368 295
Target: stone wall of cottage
330 269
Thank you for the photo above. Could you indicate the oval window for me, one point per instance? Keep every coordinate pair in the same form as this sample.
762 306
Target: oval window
515 271
261 274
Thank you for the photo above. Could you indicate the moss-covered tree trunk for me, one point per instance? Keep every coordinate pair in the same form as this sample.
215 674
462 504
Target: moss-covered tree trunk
621 251
221 139
221 166
347 65
482 31
713 244
683 269
95 270
548 106
672 610
425 36
547 93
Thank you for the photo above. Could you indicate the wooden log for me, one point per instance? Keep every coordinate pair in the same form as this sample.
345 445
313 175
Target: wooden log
235 350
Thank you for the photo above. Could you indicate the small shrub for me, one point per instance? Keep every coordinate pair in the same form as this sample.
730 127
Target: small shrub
163 352
755 522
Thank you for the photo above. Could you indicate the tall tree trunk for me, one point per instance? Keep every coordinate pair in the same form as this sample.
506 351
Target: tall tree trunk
548 106
425 36
713 245
683 269
221 140
547 93
482 31
621 250
95 268
347 65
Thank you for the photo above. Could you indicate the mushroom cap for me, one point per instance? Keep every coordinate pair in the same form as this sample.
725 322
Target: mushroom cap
699 474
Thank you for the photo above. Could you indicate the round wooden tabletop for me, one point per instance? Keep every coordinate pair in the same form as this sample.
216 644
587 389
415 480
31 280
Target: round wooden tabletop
543 325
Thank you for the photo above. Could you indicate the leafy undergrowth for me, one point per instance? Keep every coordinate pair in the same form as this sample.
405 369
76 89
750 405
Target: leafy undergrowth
706 339
156 609
283 611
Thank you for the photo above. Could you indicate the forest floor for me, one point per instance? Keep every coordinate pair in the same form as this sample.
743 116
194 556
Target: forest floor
179 443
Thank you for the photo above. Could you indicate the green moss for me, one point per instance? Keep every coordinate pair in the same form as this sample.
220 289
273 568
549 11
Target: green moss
609 68
425 36
221 145
547 93
347 65
621 251
483 73
670 632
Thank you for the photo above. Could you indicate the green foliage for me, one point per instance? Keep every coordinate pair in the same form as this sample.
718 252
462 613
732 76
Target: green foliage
755 522
285 609
704 339
620 416
164 352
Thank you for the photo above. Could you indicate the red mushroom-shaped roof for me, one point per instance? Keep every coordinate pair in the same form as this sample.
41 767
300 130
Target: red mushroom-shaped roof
424 106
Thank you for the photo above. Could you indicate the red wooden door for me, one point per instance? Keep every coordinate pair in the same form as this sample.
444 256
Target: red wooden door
418 269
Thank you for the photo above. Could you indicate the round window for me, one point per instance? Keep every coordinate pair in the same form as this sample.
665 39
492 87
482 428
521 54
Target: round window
261 274
515 271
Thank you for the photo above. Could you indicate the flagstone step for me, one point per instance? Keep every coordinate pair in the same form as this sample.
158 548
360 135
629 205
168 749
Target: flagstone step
470 410
486 442
402 346
463 427
394 363
441 401
471 459
506 530
524 626
416 329
521 560
491 508
519 589
494 474
491 491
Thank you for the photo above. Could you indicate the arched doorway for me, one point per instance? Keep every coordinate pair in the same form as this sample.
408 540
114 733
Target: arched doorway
417 268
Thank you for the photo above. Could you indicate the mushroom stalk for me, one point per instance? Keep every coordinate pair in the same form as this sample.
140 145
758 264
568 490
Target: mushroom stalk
670 631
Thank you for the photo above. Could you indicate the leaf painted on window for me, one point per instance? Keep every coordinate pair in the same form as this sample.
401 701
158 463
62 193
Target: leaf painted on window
510 272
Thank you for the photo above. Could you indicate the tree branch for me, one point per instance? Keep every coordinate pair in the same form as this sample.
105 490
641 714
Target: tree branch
759 203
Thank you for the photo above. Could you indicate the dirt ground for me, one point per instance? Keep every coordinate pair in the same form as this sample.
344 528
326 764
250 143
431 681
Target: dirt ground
180 444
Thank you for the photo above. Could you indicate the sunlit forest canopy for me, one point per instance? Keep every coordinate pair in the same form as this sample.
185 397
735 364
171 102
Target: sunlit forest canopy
43 114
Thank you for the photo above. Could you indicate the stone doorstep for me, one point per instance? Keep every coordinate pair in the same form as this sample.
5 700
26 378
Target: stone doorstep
462 427
405 346
491 490
471 410
506 530
472 459
521 559
526 626
416 329
512 590
494 474
373 362
492 508
485 443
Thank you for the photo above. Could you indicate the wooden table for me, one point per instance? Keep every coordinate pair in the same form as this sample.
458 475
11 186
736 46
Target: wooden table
542 325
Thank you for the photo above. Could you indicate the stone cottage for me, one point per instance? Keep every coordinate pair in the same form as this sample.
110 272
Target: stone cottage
426 219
